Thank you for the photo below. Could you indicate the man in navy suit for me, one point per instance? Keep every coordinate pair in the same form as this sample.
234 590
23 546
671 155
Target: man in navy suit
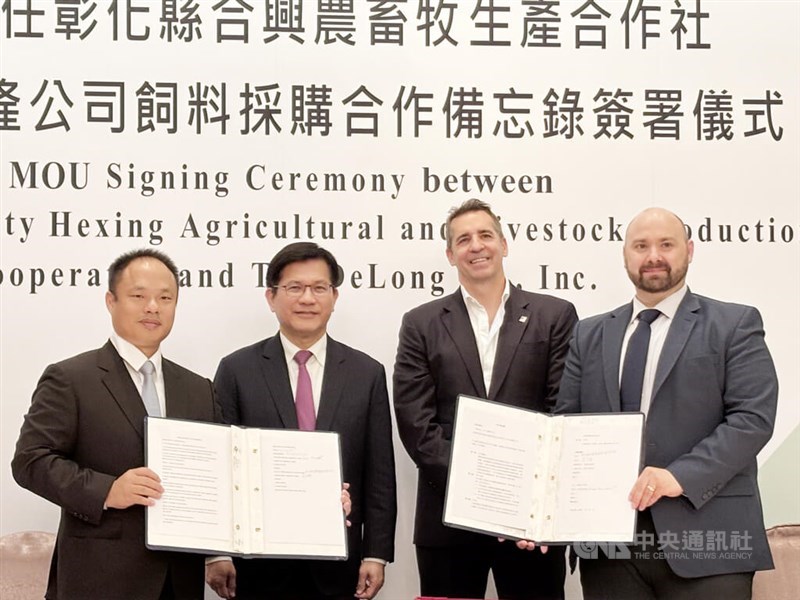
261 386
709 391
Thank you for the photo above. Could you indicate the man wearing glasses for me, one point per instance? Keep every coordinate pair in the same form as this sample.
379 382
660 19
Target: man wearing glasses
303 379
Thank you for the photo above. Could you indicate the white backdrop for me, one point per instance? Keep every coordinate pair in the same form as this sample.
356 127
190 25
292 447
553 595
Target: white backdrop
61 101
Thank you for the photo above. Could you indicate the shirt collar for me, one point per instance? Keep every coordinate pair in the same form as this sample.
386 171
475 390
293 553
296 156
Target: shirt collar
668 306
470 301
318 349
132 355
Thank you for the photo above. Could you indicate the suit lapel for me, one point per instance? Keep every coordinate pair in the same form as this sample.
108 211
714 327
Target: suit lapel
276 379
613 332
677 336
456 321
177 401
333 380
119 384
515 322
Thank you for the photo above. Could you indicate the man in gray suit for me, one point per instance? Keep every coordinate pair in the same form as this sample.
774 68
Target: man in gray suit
82 444
708 387
263 385
492 340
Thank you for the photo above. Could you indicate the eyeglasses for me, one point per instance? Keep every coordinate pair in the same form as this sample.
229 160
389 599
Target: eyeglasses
295 290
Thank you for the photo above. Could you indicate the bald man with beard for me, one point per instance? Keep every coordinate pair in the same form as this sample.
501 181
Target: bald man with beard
709 392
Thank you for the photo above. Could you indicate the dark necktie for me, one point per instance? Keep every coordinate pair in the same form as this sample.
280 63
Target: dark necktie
304 398
630 387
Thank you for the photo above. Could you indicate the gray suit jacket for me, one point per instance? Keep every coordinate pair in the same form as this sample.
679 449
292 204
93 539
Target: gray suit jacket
254 390
85 428
437 359
712 410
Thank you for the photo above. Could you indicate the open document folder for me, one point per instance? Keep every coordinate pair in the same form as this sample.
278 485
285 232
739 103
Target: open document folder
522 474
245 491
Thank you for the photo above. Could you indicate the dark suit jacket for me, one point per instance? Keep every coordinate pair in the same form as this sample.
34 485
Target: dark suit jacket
254 390
85 428
437 359
712 410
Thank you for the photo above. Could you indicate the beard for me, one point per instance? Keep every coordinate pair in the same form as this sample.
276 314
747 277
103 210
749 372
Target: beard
661 283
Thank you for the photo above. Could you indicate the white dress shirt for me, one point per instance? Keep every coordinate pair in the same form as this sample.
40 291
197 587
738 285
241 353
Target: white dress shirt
658 333
134 359
486 334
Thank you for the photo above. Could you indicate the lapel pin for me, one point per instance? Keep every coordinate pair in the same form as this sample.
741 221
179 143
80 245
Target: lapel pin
523 319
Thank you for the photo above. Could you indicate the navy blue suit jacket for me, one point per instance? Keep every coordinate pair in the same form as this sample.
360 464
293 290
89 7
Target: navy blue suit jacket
712 409
253 388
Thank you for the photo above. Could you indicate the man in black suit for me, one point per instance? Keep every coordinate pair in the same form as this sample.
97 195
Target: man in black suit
708 386
81 445
267 384
491 340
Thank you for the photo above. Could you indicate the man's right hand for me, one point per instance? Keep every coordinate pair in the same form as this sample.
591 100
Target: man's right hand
135 486
221 577
528 545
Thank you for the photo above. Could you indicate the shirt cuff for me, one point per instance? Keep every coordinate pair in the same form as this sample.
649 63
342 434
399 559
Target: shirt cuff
213 559
377 560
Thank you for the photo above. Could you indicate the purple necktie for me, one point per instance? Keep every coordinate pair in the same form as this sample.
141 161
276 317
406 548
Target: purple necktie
304 400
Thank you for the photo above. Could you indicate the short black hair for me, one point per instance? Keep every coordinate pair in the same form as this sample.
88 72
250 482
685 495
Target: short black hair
468 206
299 252
121 263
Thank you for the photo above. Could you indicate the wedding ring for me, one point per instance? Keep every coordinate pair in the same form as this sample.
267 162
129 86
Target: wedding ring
651 488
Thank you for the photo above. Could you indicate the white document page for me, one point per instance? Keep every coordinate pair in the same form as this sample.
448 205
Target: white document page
194 463
521 474
492 468
302 486
599 464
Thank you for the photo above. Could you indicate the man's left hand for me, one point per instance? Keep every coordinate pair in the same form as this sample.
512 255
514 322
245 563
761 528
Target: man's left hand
652 485
347 502
370 579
